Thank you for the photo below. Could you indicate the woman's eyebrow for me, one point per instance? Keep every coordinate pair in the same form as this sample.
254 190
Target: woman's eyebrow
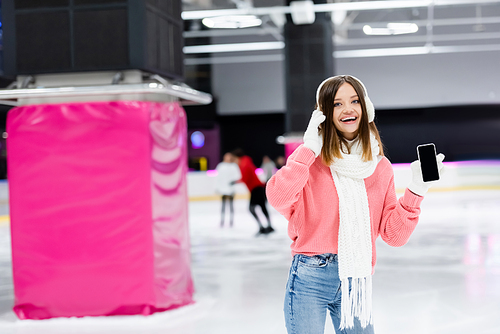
350 97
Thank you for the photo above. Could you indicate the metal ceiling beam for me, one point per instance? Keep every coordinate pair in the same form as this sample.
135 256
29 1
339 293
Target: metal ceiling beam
331 7
352 26
410 51
378 52
229 32
418 39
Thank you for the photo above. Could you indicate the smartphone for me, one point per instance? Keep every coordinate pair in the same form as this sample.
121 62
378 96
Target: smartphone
427 156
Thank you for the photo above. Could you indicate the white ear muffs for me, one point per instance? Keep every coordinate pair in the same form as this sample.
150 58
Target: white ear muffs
370 109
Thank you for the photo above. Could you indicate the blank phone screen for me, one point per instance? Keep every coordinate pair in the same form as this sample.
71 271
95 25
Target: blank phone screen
427 157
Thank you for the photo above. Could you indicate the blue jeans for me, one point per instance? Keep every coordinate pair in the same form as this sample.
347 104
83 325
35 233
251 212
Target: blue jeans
314 287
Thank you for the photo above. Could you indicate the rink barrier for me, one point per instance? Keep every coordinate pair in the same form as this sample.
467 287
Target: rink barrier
398 190
5 219
111 236
458 176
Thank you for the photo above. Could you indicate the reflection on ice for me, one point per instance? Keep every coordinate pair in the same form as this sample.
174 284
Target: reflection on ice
473 250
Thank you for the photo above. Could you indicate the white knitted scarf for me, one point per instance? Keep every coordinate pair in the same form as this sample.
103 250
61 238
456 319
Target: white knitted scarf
355 238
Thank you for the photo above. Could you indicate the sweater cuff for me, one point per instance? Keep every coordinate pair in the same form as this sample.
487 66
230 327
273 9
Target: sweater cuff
412 200
305 155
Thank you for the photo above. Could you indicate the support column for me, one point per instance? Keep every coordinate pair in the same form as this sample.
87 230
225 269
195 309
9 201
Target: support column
308 61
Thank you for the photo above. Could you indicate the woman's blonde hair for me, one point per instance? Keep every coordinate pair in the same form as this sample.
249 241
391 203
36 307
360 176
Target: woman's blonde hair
334 144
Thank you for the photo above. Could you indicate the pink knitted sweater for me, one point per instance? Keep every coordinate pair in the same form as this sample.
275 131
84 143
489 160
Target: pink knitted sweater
303 191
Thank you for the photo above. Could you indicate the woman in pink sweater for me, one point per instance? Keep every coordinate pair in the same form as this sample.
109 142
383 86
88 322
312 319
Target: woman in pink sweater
337 192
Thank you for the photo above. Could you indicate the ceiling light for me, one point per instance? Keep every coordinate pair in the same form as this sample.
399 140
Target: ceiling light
232 21
392 29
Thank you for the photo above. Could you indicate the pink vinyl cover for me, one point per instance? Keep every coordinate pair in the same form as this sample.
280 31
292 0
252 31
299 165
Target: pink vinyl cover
98 208
291 146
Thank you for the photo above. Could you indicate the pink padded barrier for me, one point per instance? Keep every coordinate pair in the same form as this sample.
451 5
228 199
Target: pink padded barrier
291 146
98 208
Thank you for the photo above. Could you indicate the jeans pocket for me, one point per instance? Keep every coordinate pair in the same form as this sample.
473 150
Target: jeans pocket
312 261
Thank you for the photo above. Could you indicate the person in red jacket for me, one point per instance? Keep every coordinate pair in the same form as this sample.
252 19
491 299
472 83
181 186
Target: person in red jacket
256 187
337 193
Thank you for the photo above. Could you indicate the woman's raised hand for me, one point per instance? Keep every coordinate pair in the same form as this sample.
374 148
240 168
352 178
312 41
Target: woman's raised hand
417 184
312 139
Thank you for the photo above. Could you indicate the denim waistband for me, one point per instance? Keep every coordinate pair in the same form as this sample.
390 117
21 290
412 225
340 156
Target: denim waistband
326 257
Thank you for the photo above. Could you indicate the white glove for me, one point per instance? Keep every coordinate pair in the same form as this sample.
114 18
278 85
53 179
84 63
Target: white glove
417 185
312 139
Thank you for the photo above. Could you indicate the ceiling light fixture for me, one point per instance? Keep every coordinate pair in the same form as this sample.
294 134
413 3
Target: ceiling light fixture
232 21
392 29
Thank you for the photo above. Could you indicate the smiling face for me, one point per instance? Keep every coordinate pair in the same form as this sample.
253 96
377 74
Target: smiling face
347 111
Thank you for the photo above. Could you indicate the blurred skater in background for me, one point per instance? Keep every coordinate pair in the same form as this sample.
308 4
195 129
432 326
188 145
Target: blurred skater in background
280 162
337 193
268 167
228 173
256 187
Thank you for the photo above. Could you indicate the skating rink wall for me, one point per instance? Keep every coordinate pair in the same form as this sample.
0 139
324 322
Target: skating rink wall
461 175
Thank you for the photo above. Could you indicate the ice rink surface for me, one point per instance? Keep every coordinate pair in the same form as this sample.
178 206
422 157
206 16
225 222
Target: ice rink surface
446 280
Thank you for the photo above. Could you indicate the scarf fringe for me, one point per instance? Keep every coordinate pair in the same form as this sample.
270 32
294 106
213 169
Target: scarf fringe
357 302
